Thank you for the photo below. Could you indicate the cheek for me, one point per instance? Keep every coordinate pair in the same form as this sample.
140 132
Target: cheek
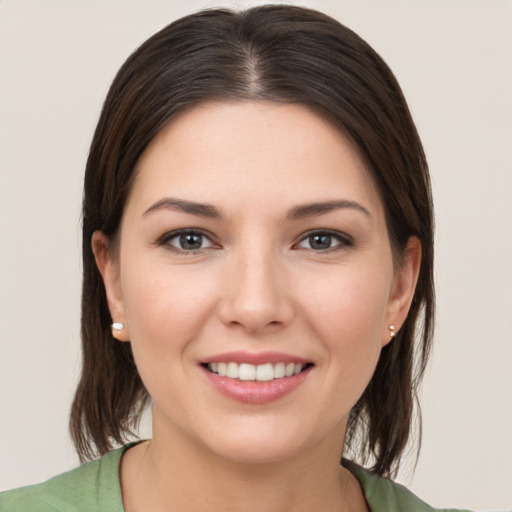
165 307
347 313
349 303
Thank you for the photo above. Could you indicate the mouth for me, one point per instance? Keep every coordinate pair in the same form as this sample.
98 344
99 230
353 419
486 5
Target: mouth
257 373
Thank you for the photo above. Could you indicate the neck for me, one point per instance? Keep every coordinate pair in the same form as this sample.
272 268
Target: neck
177 475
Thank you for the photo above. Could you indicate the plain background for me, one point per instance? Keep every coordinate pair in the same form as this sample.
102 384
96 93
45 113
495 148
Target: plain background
453 60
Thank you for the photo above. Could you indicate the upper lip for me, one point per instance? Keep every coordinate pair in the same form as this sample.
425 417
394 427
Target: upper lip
255 358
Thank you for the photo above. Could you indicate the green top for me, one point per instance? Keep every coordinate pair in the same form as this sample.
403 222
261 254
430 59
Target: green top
95 487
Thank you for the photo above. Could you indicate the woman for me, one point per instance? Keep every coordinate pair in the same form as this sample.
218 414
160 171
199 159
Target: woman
257 230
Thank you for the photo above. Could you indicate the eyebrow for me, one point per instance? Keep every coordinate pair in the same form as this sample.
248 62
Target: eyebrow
313 209
296 213
169 203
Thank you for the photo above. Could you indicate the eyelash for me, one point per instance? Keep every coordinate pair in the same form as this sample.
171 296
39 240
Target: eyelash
165 240
344 241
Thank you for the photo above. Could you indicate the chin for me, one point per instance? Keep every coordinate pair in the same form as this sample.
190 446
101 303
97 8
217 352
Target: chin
258 453
256 442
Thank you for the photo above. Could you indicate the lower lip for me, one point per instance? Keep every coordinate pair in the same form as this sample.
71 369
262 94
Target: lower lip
254 392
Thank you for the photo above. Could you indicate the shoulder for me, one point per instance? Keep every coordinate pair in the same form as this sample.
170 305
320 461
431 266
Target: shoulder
92 486
384 494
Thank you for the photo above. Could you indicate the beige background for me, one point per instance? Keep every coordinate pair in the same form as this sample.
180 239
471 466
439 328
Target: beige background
453 59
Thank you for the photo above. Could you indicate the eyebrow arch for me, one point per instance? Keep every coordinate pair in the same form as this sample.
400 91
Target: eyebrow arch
169 203
296 213
312 209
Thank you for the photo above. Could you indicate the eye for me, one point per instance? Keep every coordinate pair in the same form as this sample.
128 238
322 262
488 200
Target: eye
324 241
186 240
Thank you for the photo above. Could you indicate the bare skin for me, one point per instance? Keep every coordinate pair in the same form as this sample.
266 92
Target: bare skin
279 488
254 228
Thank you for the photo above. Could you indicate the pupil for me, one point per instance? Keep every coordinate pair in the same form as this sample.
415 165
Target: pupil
320 241
190 241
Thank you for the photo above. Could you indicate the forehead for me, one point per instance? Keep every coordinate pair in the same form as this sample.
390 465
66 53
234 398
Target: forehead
252 153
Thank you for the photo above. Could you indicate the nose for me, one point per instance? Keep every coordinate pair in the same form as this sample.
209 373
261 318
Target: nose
257 294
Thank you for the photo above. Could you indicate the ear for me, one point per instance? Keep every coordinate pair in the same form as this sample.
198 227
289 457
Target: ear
402 291
109 270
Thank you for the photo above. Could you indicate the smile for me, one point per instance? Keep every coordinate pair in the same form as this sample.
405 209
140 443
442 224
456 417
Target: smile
250 372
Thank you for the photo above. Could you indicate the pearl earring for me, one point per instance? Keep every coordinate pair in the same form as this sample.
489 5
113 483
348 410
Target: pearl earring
117 326
392 331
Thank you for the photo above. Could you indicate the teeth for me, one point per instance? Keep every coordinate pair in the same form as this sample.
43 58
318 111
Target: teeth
279 371
265 372
247 372
261 372
232 371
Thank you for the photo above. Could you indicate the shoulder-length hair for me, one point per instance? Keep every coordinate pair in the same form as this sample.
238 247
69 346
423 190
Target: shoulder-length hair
278 53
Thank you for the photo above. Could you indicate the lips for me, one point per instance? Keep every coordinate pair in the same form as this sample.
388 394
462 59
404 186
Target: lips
251 372
256 378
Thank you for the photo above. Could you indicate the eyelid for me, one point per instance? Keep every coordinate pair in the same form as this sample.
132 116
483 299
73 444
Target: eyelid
166 237
344 239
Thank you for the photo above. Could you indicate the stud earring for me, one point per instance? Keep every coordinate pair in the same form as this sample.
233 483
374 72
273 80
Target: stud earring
117 326
392 330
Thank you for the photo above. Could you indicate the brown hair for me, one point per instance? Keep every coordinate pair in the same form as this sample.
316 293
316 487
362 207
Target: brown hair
279 53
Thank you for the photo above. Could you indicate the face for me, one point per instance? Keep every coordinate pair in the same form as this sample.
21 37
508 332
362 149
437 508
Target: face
255 280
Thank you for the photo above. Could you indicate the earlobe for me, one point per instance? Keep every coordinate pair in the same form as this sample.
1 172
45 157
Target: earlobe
109 270
404 286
